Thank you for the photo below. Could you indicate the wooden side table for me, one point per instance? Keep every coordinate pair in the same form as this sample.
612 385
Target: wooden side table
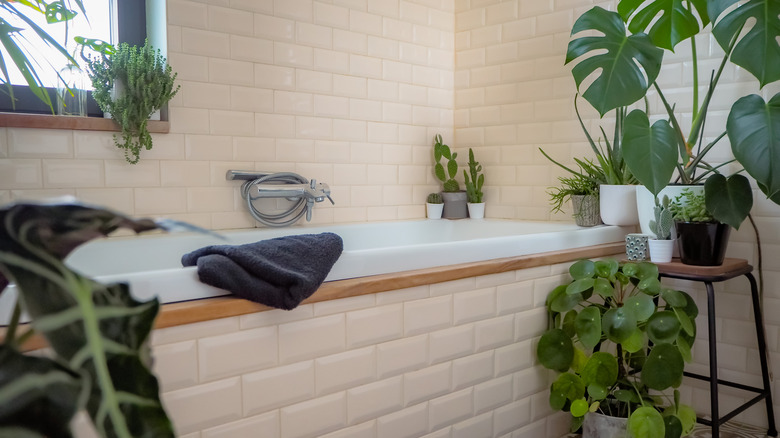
730 268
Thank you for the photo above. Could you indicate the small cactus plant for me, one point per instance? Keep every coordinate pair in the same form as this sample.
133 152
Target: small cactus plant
447 178
435 198
662 224
474 185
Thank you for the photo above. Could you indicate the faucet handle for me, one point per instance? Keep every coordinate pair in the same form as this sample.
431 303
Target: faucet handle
331 200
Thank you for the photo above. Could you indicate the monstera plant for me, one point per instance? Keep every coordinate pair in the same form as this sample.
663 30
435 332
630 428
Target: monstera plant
98 333
618 339
619 60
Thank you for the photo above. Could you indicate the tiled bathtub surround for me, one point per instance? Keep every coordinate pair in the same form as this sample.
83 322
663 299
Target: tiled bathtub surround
453 359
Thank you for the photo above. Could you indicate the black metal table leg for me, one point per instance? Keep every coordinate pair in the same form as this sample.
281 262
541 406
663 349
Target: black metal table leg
772 430
713 343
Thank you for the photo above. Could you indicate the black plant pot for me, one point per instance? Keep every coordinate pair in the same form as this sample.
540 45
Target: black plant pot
702 243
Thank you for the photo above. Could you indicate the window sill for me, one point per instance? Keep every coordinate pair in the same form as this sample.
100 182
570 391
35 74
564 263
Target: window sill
47 121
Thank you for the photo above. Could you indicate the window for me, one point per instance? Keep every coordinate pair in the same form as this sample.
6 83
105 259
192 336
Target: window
129 25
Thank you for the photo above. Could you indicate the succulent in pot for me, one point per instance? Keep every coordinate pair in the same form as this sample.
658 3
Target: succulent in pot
474 184
662 247
619 341
454 198
701 238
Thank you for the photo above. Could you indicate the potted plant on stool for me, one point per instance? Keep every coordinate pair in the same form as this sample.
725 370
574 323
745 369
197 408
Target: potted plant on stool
454 198
474 188
702 240
612 343
662 246
434 206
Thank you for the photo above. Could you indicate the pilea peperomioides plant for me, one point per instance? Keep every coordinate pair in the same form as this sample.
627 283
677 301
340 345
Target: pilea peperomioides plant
98 332
616 349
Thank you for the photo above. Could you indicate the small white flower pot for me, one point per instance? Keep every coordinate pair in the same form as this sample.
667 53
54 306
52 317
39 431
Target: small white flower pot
434 210
618 204
476 211
661 250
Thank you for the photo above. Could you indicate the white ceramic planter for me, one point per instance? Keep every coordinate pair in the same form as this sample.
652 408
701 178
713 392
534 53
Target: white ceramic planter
603 426
661 250
476 210
434 210
645 203
617 204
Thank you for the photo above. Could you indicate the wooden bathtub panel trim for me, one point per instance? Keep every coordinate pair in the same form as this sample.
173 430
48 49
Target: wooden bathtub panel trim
214 308
189 312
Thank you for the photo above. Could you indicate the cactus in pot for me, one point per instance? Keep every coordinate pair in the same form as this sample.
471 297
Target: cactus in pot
434 198
662 247
474 185
445 171
434 206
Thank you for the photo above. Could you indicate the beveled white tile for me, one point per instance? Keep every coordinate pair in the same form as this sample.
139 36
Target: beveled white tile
479 426
247 428
421 316
345 370
311 338
470 370
451 343
374 325
176 365
427 383
474 305
374 399
402 355
364 430
450 408
511 417
276 387
408 423
314 417
514 357
204 406
21 173
194 331
492 394
236 353
39 143
495 332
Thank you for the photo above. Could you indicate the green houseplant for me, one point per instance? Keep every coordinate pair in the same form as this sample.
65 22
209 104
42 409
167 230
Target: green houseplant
98 333
616 350
662 246
631 44
701 238
582 188
454 198
474 184
131 84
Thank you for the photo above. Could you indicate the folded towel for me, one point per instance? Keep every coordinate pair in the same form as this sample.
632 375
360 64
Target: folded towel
279 272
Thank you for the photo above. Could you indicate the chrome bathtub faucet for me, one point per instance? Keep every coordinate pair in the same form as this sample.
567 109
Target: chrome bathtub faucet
288 185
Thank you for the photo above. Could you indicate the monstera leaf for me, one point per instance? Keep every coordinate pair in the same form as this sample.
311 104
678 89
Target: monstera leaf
728 199
99 330
757 51
754 132
667 22
650 151
625 65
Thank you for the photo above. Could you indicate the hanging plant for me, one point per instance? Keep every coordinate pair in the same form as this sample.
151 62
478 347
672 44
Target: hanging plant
131 84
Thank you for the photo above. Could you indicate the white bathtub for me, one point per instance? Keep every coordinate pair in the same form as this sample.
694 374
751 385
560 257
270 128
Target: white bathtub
152 266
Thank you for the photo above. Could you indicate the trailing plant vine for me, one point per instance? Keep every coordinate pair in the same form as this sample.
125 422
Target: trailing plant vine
131 84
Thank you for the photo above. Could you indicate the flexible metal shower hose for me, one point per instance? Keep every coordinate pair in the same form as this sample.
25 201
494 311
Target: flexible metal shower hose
285 218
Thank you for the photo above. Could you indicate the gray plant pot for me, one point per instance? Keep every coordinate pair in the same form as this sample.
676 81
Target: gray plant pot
586 210
602 426
455 205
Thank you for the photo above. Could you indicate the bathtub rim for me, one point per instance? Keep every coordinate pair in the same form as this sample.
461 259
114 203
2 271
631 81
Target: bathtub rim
207 309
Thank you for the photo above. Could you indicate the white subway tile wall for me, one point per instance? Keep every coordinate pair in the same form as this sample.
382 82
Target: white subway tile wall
283 374
352 92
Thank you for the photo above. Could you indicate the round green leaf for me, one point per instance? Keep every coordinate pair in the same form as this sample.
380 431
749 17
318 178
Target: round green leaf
582 269
555 350
568 323
729 200
618 324
626 396
587 325
564 302
597 392
687 417
685 349
663 327
672 427
557 400
602 369
570 385
579 407
650 285
673 297
691 309
630 269
635 342
579 286
647 270
685 322
580 359
646 422
642 305
663 368
603 287
606 268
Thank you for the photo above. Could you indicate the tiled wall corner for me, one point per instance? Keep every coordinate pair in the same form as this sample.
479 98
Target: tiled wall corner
296 374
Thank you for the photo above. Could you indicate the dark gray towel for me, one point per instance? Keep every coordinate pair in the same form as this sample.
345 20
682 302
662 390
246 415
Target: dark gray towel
279 272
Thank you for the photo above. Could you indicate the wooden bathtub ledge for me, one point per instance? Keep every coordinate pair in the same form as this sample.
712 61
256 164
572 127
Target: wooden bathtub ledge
189 312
